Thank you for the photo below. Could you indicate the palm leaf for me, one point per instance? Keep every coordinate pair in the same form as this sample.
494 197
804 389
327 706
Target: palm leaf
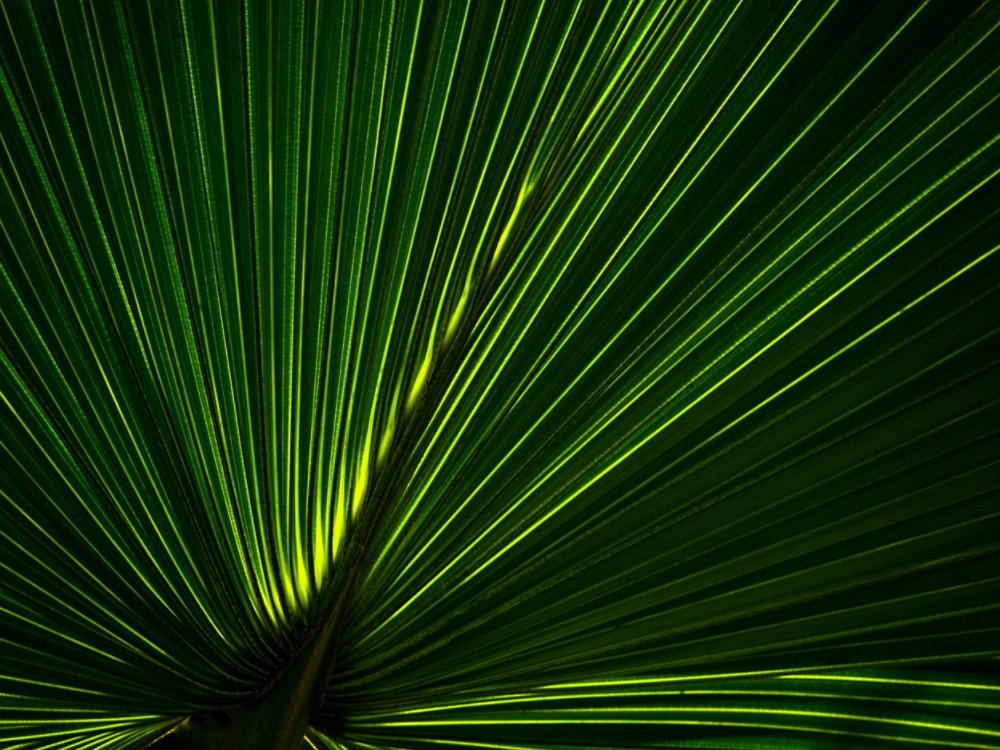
499 375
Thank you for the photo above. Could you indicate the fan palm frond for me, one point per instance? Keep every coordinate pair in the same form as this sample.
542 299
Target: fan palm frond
499 375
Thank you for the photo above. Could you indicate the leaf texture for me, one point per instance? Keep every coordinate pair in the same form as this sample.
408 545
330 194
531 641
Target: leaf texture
603 375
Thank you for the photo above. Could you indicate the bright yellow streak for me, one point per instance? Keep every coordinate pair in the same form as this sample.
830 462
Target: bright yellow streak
456 316
515 214
421 379
361 486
